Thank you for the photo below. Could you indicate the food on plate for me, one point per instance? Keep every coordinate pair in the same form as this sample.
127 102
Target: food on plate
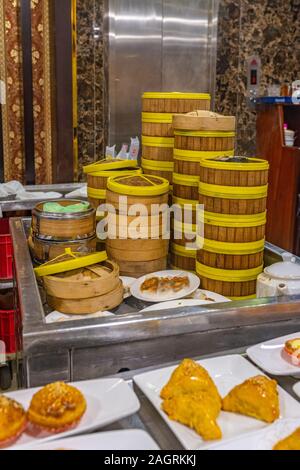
257 397
191 398
292 348
12 421
56 408
159 285
291 442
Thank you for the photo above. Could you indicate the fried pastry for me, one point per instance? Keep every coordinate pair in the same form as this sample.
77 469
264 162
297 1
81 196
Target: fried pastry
291 442
292 348
12 421
256 397
191 398
56 407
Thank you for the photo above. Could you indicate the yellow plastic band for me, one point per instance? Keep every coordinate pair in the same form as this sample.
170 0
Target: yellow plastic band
228 275
126 190
160 118
226 248
235 221
176 96
186 180
205 133
254 164
77 262
248 297
106 165
233 192
113 173
162 142
199 156
183 202
157 165
182 251
97 193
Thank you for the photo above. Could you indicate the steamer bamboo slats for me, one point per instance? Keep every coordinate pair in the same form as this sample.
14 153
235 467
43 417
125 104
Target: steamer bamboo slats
98 174
234 192
137 256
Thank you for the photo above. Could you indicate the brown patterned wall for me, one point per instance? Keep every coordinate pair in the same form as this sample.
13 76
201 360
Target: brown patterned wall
11 74
41 73
268 28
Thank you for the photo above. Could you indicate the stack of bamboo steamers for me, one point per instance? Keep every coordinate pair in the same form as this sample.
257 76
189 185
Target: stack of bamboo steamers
157 128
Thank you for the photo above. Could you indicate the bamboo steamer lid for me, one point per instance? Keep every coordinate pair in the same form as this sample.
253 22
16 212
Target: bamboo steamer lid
108 164
140 185
204 121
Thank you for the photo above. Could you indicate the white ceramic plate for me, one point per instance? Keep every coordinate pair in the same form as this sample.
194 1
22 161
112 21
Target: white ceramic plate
127 283
130 439
176 304
108 400
268 356
217 298
227 372
262 440
168 296
297 389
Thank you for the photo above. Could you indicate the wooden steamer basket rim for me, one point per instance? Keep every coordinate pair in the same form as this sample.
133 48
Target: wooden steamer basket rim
208 134
199 155
157 118
163 142
231 248
157 165
229 275
56 286
119 172
186 180
39 213
176 95
156 186
235 221
235 164
204 121
108 164
233 192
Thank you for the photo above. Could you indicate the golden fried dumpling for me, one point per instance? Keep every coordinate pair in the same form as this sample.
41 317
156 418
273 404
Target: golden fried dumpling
191 398
256 397
12 421
190 377
57 407
197 411
292 442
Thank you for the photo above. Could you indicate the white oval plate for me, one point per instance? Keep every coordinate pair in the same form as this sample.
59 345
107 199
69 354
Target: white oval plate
297 389
168 296
176 304
216 298
127 283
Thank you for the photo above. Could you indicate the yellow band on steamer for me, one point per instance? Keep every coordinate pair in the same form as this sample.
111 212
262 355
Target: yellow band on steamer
228 275
185 202
228 248
159 118
199 156
109 164
182 251
176 96
186 180
254 164
233 192
162 142
157 165
97 193
235 221
113 173
205 133
248 297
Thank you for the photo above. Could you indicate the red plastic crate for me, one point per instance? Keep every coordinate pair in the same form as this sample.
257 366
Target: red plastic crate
8 330
6 251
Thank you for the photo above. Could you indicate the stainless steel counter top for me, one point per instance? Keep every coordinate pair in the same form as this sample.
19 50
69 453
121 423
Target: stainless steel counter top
86 349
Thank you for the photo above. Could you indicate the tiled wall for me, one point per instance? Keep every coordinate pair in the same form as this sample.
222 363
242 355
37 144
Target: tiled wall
268 28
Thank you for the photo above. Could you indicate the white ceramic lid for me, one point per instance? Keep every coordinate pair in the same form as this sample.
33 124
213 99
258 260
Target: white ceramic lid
288 269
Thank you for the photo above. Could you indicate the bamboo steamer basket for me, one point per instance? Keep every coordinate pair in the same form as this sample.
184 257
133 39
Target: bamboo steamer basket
175 102
43 251
157 125
181 258
84 283
63 227
158 168
119 226
98 174
158 148
186 186
200 135
234 225
104 302
146 190
138 269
